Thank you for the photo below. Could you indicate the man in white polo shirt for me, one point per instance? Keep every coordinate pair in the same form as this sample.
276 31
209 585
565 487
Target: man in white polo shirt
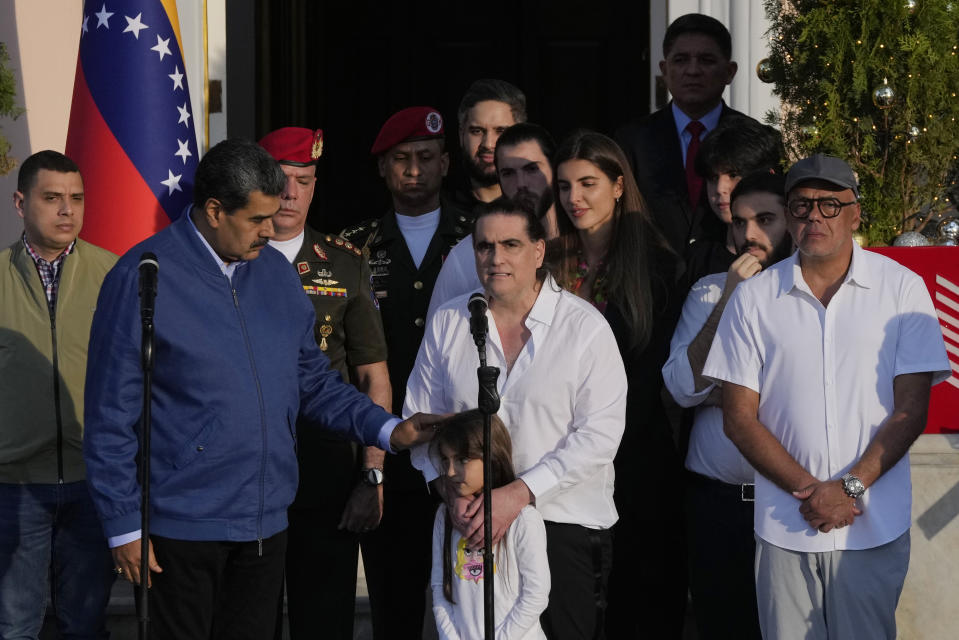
827 360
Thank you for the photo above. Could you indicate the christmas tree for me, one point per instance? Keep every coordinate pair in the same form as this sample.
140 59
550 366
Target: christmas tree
874 82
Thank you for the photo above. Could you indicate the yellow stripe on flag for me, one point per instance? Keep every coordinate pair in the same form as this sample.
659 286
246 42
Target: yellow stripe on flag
170 7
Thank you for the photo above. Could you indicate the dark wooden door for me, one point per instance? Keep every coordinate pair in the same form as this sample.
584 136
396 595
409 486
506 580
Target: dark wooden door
347 66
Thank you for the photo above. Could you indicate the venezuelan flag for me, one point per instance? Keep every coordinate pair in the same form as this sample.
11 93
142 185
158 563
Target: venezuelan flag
131 123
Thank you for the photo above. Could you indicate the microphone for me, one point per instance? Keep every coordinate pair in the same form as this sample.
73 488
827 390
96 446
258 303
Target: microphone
478 324
148 285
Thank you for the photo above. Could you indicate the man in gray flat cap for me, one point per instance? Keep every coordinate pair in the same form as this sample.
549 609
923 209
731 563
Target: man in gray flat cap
826 361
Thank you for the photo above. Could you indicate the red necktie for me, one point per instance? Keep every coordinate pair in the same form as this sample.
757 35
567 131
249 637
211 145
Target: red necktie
694 183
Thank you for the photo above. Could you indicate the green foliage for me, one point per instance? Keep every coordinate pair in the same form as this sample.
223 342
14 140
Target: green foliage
828 57
8 108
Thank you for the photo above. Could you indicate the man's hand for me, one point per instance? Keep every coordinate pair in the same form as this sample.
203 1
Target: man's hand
742 268
461 510
127 558
364 509
416 429
508 501
825 506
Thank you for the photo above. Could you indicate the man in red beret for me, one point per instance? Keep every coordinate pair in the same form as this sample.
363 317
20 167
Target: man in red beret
406 248
340 494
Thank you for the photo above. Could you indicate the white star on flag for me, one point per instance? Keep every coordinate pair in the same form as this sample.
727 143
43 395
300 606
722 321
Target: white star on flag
184 115
162 47
135 26
177 78
184 149
172 182
86 27
103 18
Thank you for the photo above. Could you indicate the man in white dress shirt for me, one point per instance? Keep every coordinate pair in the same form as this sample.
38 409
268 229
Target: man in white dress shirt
827 360
563 398
719 488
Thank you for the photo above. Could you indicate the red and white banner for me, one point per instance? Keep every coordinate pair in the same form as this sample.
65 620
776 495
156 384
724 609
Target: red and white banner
939 268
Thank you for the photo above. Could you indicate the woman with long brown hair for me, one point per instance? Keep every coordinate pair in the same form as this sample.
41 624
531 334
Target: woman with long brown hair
609 253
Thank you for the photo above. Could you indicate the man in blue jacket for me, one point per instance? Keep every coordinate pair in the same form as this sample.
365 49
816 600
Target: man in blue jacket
236 364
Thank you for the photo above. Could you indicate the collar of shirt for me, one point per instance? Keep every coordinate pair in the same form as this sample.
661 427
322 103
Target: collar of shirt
226 269
289 248
857 273
710 121
545 306
37 259
48 270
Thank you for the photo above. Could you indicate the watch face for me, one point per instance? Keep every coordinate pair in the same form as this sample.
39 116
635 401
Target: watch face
853 486
374 476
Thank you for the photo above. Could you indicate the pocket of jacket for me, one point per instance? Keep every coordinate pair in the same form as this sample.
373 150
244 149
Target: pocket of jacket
198 445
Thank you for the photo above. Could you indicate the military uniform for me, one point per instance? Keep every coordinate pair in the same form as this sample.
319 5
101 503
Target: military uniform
348 329
322 560
396 556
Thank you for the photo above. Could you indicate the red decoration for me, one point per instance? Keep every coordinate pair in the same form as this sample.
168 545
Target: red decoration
939 269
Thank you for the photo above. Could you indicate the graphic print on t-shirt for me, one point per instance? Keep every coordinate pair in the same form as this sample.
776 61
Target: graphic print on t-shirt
469 562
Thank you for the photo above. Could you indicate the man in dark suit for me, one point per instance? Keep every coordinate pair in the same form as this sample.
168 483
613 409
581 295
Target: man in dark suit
662 146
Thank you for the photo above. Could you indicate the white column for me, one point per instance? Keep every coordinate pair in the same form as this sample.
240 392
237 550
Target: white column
190 14
216 61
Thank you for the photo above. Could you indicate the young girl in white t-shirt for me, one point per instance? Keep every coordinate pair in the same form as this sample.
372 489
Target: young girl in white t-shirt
520 568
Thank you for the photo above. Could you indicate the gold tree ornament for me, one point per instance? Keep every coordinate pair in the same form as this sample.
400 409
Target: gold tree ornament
764 71
910 6
884 96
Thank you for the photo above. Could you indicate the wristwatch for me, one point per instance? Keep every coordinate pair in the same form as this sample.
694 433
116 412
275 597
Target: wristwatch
373 476
853 486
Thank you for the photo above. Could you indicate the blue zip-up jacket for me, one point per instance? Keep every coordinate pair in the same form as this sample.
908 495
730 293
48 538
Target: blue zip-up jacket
235 363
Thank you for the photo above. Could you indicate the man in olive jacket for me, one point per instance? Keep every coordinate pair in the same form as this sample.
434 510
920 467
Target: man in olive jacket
51 542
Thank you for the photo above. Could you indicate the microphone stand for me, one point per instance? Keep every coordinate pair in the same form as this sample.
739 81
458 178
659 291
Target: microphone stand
148 343
488 405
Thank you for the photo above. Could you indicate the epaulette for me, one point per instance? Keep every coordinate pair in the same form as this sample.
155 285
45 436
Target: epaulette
343 244
359 234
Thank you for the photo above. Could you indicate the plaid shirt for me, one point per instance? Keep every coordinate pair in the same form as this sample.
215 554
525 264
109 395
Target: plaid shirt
49 271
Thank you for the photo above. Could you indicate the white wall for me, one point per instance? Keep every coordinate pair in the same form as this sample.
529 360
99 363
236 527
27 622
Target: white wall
42 38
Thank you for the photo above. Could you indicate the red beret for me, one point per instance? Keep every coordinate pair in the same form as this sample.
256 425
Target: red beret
413 123
294 145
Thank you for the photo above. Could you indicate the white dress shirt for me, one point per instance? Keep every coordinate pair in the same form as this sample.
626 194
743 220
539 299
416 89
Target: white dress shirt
564 402
710 452
825 381
458 276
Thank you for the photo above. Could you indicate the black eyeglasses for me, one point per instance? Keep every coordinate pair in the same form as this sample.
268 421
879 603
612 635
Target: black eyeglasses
828 207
